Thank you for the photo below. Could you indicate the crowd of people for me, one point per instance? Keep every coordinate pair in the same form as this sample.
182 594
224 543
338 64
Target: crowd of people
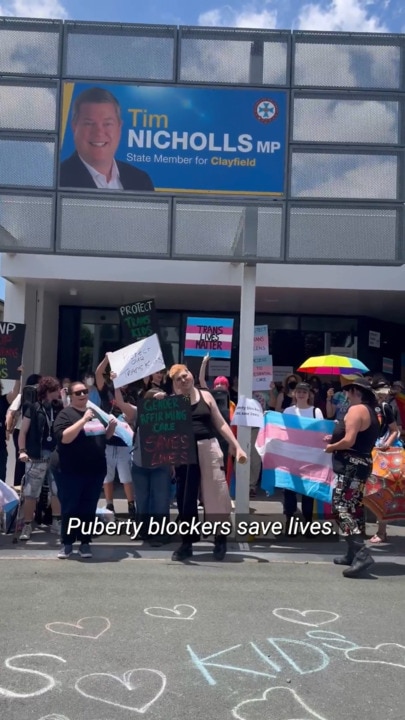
58 446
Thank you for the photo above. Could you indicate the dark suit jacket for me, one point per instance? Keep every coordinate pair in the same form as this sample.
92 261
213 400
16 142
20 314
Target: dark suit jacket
75 175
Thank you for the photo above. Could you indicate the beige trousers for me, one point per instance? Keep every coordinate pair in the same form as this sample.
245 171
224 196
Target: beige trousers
214 488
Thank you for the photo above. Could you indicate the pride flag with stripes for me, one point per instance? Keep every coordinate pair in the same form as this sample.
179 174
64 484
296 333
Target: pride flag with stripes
293 457
208 335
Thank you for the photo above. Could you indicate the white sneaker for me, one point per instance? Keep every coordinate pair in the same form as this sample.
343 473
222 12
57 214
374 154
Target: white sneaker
26 532
55 527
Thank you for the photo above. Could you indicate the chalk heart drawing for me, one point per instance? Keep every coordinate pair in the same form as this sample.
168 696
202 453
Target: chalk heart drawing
178 612
142 687
383 654
276 703
92 627
310 618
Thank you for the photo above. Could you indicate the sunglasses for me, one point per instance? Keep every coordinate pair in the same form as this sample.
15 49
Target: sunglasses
80 393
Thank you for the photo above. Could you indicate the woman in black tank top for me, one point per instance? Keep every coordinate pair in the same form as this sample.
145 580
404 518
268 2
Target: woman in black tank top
208 473
352 443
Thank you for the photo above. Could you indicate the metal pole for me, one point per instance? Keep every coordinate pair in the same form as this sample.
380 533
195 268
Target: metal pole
247 313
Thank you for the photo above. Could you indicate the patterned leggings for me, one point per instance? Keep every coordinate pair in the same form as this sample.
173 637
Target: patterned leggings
347 503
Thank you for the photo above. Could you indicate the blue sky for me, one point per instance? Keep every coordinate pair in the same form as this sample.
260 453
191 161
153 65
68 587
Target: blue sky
326 15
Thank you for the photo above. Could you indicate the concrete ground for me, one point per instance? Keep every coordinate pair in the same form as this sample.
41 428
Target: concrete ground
274 632
115 638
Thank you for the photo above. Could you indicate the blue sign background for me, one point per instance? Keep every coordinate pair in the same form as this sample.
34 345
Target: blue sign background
225 114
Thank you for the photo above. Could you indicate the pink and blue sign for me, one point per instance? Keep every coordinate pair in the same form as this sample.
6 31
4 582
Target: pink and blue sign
211 336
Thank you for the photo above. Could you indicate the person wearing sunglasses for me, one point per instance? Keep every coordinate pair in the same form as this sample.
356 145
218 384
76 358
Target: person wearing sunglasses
81 461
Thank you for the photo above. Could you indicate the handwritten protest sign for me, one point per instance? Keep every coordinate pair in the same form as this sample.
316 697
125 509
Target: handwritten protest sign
138 321
208 335
248 413
165 429
136 361
11 347
261 341
262 372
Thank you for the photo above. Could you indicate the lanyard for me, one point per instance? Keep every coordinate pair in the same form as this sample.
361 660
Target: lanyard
50 425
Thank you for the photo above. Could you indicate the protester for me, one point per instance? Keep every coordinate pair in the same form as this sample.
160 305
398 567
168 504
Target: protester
14 419
81 461
301 407
390 432
5 402
36 443
94 395
152 485
208 472
286 396
118 454
352 442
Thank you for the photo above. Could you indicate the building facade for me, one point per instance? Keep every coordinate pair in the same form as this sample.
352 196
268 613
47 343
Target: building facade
324 227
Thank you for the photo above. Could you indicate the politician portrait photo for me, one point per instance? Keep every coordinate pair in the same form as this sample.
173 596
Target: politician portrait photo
96 125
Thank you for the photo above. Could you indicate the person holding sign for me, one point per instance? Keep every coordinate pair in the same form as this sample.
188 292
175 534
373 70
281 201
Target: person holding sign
118 454
152 484
208 473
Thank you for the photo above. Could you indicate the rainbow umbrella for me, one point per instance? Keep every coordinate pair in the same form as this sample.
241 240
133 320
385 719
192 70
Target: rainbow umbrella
332 365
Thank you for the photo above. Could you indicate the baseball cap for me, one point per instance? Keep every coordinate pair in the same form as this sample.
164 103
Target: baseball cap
221 380
361 383
303 386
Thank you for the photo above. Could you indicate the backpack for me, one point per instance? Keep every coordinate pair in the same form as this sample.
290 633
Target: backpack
29 396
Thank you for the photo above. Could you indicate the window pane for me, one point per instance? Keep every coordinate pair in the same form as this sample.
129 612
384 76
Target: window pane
341 175
29 52
27 162
229 61
342 234
26 223
123 55
323 64
27 108
352 121
112 227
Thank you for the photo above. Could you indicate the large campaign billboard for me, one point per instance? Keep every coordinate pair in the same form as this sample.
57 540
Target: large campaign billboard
142 138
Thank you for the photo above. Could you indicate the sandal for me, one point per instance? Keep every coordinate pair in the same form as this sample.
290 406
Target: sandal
376 539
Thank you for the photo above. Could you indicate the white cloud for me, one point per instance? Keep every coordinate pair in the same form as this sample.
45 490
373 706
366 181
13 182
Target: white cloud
248 16
34 9
340 15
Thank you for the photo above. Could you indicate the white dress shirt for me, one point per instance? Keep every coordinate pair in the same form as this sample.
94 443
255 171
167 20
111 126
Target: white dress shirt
101 180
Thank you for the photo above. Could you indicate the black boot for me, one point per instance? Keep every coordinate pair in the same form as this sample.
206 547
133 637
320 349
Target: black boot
362 561
220 547
351 551
183 552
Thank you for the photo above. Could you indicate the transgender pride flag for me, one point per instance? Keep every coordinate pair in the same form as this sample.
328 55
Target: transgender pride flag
293 457
208 335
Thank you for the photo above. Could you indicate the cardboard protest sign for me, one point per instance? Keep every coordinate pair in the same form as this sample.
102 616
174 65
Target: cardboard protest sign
262 372
209 335
11 348
138 321
248 413
165 430
261 341
136 361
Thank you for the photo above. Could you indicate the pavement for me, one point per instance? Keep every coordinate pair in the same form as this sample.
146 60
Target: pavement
247 639
274 632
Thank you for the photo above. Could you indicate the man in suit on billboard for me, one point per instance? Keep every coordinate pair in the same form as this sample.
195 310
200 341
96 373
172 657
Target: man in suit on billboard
97 124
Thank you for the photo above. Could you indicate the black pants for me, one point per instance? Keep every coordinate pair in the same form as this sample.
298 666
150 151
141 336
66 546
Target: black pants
3 463
290 505
188 486
19 469
78 495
